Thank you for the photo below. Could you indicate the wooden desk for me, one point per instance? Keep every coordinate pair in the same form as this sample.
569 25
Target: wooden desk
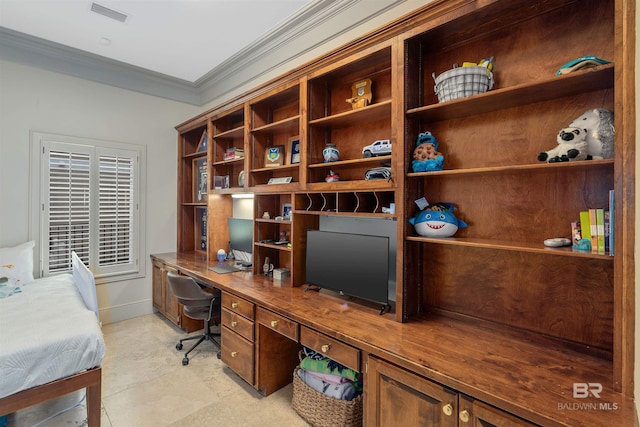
492 373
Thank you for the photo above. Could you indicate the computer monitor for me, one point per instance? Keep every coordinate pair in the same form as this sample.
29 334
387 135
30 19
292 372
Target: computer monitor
241 234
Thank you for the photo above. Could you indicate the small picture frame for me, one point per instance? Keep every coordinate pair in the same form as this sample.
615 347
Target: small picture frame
294 150
274 156
200 177
286 210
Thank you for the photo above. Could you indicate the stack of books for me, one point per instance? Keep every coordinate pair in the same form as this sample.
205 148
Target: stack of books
234 153
596 225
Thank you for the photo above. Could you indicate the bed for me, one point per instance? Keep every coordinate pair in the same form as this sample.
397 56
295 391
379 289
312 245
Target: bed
50 341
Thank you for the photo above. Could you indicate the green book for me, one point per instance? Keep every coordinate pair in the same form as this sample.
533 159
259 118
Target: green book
600 230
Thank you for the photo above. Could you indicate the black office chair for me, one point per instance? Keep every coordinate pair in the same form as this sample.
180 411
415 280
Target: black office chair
197 304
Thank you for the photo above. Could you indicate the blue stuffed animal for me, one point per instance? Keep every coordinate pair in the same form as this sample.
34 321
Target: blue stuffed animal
426 156
437 220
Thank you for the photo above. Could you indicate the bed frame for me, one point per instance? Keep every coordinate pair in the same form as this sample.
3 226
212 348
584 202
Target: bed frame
90 379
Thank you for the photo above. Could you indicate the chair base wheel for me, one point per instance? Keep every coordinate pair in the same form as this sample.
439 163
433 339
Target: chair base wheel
185 361
179 346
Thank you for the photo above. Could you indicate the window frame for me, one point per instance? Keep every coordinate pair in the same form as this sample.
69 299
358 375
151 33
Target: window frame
40 145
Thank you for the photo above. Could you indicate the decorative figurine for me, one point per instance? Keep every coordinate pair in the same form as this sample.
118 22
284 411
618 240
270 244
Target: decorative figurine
598 123
381 147
572 145
332 176
330 153
437 220
426 156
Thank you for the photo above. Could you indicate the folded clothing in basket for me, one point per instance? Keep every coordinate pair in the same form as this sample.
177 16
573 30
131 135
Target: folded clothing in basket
327 376
344 391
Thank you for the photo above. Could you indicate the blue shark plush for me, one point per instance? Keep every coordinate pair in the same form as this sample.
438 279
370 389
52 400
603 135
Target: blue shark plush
437 220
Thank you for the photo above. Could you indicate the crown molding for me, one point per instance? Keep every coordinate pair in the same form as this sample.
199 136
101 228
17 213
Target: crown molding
33 51
313 27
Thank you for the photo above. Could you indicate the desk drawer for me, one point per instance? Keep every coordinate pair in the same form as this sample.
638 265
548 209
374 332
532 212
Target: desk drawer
238 305
336 350
238 324
237 353
282 325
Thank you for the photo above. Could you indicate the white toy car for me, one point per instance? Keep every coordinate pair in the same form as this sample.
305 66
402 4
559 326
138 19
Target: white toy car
381 147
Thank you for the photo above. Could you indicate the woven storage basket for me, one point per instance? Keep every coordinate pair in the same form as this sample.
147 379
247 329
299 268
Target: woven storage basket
321 410
461 82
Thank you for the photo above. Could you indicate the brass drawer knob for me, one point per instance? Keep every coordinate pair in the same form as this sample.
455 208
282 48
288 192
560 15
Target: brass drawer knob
464 416
234 324
274 323
325 348
234 353
447 409
234 305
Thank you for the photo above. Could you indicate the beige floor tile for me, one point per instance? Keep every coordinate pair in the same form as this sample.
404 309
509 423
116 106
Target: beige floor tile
145 384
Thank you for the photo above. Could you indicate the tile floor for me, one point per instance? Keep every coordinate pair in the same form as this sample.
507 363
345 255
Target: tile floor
145 384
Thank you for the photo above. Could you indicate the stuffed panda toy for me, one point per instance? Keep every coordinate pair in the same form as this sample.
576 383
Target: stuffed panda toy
598 124
572 145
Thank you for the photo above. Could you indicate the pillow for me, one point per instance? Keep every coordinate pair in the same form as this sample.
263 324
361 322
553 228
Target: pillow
84 280
16 263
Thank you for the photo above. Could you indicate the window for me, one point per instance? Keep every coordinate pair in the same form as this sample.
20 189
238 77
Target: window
89 202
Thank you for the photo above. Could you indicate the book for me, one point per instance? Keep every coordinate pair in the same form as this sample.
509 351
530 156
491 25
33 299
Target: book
593 230
585 225
600 230
607 232
611 223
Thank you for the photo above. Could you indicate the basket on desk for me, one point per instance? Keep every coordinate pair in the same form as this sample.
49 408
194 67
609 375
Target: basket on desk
321 410
461 82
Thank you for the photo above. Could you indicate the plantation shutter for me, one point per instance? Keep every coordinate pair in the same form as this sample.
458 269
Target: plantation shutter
69 207
116 210
90 207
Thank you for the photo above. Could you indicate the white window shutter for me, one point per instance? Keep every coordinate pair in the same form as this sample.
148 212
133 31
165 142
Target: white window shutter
69 206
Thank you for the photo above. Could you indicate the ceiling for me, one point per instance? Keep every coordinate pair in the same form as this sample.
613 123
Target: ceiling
183 39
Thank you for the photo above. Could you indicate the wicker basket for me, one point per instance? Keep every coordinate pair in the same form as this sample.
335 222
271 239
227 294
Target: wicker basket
461 82
321 410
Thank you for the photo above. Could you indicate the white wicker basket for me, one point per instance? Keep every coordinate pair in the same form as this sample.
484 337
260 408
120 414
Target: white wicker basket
461 82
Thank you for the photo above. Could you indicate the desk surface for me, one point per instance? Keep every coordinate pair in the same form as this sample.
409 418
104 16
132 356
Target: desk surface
527 376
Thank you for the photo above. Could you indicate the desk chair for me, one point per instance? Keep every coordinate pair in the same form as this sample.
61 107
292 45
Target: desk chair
197 304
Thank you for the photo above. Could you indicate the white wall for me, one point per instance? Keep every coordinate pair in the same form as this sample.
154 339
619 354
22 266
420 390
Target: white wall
35 100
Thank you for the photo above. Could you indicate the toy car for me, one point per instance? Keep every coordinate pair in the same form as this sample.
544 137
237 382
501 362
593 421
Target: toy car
381 147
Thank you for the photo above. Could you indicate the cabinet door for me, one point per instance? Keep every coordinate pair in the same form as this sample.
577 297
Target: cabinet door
395 397
477 414
158 286
171 306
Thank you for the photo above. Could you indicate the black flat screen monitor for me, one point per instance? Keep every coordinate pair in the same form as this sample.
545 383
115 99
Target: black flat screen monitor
241 234
351 264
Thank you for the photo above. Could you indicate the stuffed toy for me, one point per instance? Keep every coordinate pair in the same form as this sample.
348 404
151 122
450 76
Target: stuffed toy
426 156
437 220
572 145
598 123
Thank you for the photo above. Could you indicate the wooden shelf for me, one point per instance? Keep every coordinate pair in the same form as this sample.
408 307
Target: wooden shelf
339 163
237 132
528 93
498 169
510 246
290 124
377 111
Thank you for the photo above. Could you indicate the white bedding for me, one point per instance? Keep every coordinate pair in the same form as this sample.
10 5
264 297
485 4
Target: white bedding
46 333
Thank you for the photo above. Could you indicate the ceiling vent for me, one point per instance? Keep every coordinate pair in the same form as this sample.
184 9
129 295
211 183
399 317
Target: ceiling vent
109 13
